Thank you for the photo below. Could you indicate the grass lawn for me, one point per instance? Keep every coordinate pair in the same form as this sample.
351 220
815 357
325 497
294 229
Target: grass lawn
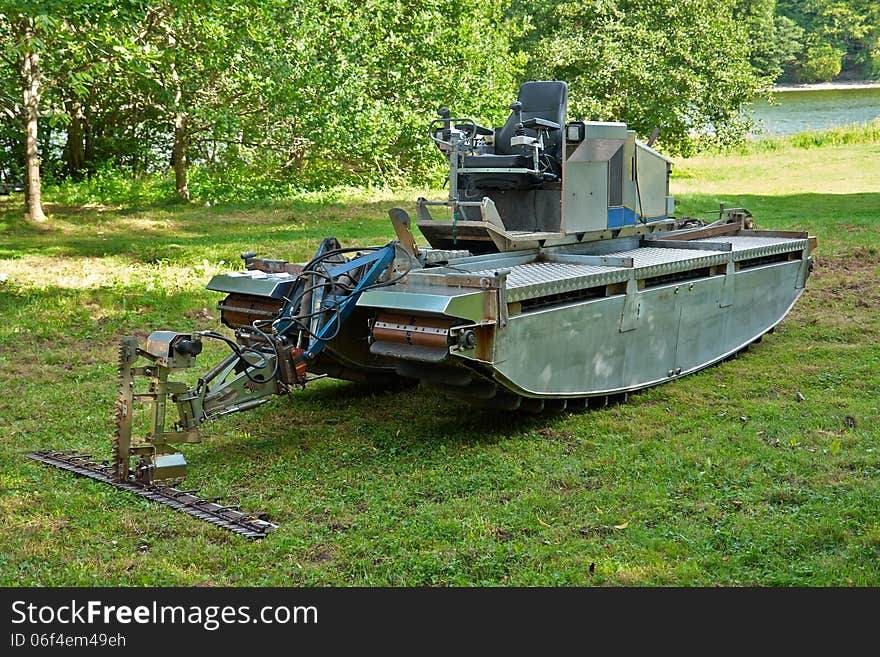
764 470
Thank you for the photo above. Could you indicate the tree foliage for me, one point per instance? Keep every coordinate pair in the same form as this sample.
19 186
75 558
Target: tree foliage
242 100
812 40
681 67
53 50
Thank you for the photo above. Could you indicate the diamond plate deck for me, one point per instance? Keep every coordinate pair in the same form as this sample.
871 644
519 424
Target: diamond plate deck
750 246
538 279
537 273
648 258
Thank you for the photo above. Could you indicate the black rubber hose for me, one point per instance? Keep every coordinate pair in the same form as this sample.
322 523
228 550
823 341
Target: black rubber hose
240 353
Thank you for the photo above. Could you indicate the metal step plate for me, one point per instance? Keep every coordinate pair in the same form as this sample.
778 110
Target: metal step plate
750 246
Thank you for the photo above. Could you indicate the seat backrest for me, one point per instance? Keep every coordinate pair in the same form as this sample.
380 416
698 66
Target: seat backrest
545 100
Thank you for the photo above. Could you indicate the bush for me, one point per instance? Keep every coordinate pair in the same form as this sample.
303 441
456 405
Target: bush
820 62
872 66
109 185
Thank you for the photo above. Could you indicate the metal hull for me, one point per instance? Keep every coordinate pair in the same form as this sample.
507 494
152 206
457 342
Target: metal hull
578 350
596 319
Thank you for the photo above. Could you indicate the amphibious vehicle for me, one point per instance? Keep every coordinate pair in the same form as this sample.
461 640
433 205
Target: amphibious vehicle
556 274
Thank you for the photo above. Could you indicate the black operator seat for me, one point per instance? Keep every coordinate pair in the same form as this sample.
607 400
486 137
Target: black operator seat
542 102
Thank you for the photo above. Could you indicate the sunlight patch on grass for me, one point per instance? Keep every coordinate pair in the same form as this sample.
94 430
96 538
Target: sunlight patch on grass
79 273
833 170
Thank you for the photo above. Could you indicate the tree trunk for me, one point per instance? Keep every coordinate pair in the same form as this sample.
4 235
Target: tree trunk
89 137
178 153
30 75
73 150
178 156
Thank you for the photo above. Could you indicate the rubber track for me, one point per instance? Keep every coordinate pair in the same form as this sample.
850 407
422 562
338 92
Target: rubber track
248 525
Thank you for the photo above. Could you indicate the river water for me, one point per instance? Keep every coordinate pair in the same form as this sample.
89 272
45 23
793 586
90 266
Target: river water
800 110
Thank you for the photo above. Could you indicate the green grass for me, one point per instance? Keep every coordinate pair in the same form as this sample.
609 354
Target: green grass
868 133
724 477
